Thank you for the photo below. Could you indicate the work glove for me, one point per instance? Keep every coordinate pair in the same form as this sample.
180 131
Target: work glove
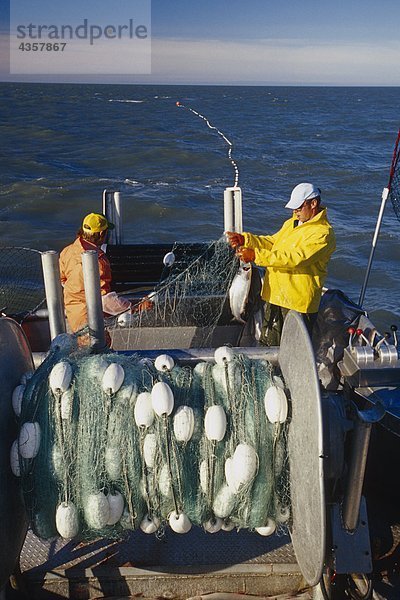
114 304
234 239
144 305
246 254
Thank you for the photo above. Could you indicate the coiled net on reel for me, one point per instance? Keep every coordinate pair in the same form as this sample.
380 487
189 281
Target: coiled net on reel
111 449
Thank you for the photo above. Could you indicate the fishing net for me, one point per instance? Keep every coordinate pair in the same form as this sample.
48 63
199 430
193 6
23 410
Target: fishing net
21 280
193 292
99 455
394 182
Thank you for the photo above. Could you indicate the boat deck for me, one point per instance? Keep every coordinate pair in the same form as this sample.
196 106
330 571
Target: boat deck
172 567
219 567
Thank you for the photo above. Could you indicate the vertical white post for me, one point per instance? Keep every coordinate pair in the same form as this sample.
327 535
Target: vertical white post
91 280
237 193
112 209
229 223
54 294
233 219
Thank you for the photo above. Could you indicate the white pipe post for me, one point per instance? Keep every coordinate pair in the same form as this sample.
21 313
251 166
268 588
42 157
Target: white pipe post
54 293
229 223
233 220
91 280
237 194
112 209
385 195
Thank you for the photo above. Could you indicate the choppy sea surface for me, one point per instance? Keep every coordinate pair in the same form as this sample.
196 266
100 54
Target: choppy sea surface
63 144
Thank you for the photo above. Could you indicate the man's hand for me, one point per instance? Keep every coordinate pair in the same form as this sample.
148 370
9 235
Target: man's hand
144 305
245 254
234 239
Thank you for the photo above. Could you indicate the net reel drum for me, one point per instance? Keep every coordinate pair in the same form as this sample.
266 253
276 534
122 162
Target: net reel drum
316 453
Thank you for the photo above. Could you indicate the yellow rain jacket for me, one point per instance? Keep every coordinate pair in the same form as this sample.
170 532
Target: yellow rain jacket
296 259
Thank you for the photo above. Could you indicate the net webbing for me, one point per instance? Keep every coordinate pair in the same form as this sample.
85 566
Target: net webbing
193 292
394 181
88 448
21 281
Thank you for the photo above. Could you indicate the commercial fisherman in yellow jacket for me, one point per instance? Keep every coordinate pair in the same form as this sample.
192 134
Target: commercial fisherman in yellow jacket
295 260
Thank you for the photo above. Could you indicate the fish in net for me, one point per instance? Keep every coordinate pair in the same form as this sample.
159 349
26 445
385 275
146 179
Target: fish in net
22 286
112 443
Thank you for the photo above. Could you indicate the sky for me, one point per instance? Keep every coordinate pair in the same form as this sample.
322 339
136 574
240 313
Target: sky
253 42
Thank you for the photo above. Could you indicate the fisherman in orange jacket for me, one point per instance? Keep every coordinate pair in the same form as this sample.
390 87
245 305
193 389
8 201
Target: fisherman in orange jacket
91 236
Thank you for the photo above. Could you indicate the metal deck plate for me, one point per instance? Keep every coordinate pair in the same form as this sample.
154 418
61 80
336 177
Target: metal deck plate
351 550
196 548
178 566
305 441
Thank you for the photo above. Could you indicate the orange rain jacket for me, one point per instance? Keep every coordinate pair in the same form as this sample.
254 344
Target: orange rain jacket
74 291
296 260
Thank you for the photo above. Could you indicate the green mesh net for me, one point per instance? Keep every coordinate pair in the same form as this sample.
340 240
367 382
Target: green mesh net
22 286
394 183
193 292
110 443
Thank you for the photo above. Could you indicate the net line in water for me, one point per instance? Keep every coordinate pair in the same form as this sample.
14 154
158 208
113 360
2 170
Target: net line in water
110 443
222 135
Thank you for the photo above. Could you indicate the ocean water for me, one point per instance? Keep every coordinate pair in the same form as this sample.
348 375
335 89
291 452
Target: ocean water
63 144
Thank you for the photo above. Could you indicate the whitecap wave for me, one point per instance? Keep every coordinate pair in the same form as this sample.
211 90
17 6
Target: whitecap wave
126 101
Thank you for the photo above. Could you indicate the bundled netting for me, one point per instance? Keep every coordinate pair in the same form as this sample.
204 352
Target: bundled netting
193 292
110 443
21 280
394 181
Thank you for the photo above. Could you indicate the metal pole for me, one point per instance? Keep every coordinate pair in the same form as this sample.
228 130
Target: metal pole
112 211
355 477
229 223
191 356
233 220
385 195
54 294
237 194
91 280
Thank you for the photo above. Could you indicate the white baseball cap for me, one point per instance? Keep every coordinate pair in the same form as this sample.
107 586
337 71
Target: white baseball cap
302 192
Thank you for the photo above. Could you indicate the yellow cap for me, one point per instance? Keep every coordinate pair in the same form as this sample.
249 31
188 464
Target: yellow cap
94 223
